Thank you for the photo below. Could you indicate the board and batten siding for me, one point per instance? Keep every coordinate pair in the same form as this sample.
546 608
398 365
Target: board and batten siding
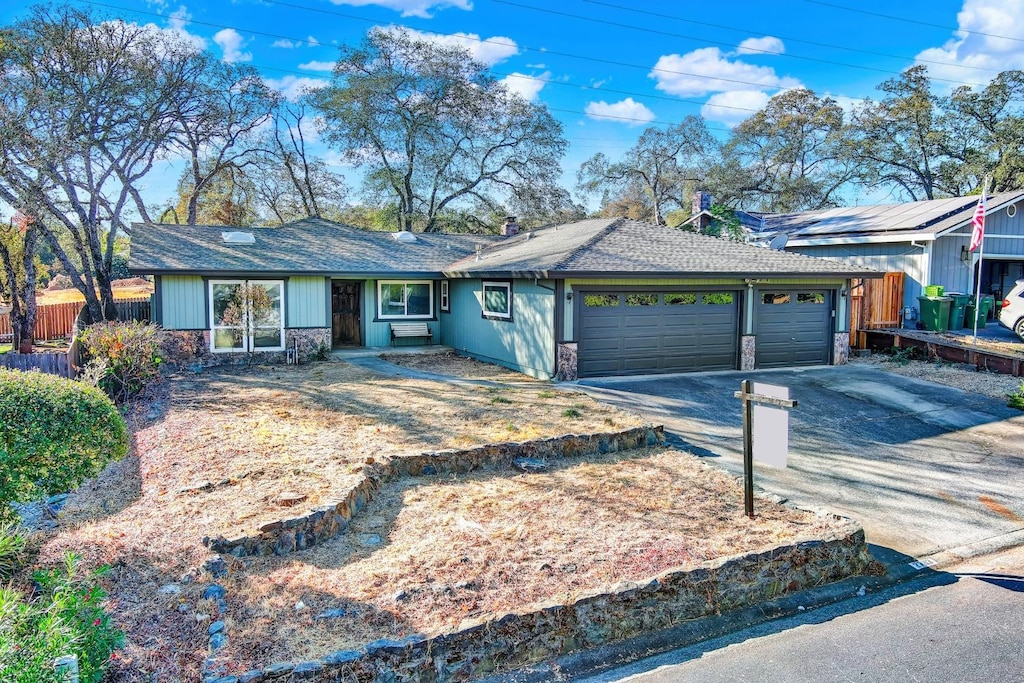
525 344
182 302
711 283
378 332
307 302
902 257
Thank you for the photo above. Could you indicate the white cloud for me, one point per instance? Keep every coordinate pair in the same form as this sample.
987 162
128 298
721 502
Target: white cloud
525 85
313 42
231 42
285 43
594 83
490 51
536 66
848 104
627 111
708 70
987 54
760 46
293 87
317 65
411 8
735 106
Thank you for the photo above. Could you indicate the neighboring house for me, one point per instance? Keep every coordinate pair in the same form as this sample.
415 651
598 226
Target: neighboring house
926 240
592 298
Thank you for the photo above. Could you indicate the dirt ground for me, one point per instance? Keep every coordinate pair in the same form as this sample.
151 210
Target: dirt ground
450 363
956 375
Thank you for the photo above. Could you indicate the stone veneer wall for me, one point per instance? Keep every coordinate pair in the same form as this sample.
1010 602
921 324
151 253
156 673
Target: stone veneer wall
841 348
498 643
747 346
331 519
567 362
193 347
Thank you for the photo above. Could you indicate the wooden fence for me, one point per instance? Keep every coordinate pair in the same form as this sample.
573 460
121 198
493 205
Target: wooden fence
51 363
875 304
56 321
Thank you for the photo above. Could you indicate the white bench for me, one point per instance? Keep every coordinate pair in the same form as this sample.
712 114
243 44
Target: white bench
407 330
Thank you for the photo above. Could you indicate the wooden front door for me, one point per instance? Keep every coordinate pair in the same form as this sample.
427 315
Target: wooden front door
345 308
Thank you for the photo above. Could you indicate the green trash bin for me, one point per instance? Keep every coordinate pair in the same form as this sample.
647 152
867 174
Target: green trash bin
987 303
935 312
956 310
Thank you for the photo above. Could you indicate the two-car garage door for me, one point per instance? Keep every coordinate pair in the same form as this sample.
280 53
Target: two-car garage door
650 332
635 333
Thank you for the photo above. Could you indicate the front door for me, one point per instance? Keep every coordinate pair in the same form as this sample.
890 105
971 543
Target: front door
345 300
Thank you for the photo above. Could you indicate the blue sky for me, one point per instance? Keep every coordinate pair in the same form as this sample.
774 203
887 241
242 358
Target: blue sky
609 68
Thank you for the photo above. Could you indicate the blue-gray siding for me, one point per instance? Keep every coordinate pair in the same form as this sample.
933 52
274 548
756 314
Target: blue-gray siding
525 344
182 302
900 257
306 302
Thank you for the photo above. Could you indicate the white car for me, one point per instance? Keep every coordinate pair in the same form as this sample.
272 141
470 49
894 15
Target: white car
1011 315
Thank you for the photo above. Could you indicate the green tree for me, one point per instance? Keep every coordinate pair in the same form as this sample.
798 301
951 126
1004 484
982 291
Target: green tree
653 177
18 241
86 108
791 154
434 131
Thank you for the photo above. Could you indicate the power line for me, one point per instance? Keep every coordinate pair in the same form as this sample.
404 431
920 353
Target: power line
670 34
913 21
790 39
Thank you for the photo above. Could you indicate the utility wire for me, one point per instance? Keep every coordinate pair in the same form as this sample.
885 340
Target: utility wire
913 21
670 34
790 39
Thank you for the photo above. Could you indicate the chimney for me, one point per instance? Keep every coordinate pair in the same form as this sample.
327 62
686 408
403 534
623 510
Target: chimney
701 202
510 228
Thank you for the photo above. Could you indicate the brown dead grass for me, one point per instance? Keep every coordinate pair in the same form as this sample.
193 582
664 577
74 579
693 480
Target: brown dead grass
46 297
494 541
253 434
454 365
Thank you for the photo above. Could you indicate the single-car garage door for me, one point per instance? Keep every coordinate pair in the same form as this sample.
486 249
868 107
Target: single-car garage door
641 332
793 327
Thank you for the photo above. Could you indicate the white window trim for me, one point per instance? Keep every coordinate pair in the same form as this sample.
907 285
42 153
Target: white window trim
507 286
446 305
247 341
380 300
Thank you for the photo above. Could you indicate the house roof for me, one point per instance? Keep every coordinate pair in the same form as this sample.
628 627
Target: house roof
923 220
596 247
311 245
619 246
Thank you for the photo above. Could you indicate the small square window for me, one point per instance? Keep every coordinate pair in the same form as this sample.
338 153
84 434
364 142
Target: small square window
810 298
497 300
600 300
680 299
641 299
774 298
718 299
445 305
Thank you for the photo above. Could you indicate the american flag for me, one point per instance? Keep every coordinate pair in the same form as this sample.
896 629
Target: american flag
978 223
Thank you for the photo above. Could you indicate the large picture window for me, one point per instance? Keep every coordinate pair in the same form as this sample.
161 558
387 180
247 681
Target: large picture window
413 299
497 300
246 315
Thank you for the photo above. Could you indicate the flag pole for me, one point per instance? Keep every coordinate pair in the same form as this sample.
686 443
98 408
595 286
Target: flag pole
981 259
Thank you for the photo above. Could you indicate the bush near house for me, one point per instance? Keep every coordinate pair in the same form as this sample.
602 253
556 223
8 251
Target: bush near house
122 357
54 433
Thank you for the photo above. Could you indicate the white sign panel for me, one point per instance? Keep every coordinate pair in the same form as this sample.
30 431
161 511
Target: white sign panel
771 427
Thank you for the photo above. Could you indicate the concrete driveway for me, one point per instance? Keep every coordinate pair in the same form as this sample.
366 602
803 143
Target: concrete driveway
925 468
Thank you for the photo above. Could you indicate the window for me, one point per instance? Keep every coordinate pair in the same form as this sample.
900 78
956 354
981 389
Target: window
718 299
773 298
810 298
680 299
414 299
497 300
246 315
600 300
641 299
445 306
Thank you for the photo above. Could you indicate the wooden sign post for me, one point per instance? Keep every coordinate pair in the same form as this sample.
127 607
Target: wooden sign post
749 398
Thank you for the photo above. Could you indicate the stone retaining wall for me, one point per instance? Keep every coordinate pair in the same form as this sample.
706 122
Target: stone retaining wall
499 643
192 347
331 519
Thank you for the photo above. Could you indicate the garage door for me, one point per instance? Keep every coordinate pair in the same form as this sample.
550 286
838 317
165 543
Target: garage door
634 333
793 327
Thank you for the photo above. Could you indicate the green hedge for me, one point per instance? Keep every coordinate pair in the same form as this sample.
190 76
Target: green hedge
54 433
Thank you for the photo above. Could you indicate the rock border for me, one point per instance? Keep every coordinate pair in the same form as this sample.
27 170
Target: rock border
503 642
327 521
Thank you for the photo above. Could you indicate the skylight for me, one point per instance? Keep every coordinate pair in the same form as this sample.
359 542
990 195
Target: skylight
235 237
404 236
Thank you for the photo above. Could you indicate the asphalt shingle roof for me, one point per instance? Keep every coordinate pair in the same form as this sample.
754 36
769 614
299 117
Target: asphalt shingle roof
606 246
622 246
311 245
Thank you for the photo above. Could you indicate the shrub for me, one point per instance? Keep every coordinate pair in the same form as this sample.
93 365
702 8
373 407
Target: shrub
54 433
124 356
1016 399
64 617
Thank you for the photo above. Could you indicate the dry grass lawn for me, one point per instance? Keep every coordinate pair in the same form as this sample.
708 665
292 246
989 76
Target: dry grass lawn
45 297
450 363
426 553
